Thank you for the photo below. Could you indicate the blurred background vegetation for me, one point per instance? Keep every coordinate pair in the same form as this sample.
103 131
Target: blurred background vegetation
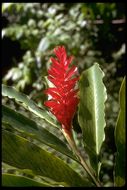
92 32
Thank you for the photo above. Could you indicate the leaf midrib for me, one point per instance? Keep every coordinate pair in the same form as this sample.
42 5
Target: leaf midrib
95 111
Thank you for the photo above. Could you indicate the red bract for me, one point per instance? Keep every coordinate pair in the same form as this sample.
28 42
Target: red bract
64 95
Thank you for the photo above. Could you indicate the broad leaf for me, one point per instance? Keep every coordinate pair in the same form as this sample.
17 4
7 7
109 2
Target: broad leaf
44 181
11 180
21 153
91 112
24 124
120 140
27 103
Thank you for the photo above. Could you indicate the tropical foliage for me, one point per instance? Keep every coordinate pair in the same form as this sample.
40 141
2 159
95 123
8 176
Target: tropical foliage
35 151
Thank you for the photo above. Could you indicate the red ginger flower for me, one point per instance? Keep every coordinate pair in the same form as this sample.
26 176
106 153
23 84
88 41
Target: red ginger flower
64 97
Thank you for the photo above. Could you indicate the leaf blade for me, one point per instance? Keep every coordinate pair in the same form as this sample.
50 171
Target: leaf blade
11 180
120 165
41 162
91 112
24 124
27 103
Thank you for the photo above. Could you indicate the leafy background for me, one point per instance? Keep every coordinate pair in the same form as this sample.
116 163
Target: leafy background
92 32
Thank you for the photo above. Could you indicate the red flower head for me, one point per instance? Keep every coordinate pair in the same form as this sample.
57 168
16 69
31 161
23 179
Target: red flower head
64 95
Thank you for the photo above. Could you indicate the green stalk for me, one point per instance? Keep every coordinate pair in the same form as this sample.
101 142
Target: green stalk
69 137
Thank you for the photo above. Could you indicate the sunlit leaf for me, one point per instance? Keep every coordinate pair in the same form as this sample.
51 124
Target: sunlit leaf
91 112
44 44
27 103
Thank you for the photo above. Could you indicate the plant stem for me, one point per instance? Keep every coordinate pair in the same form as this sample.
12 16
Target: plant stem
69 137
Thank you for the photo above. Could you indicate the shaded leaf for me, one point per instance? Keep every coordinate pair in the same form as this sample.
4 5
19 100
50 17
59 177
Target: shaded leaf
24 124
120 165
27 103
12 180
21 153
91 112
29 174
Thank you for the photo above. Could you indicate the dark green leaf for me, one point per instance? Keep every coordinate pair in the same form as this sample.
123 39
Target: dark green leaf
11 180
120 140
21 153
24 124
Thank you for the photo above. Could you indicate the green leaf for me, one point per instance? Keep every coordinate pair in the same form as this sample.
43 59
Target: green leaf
21 153
11 180
44 44
24 124
27 103
6 6
120 165
91 112
45 181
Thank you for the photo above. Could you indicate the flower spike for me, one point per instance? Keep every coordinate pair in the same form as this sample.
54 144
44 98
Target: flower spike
64 95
